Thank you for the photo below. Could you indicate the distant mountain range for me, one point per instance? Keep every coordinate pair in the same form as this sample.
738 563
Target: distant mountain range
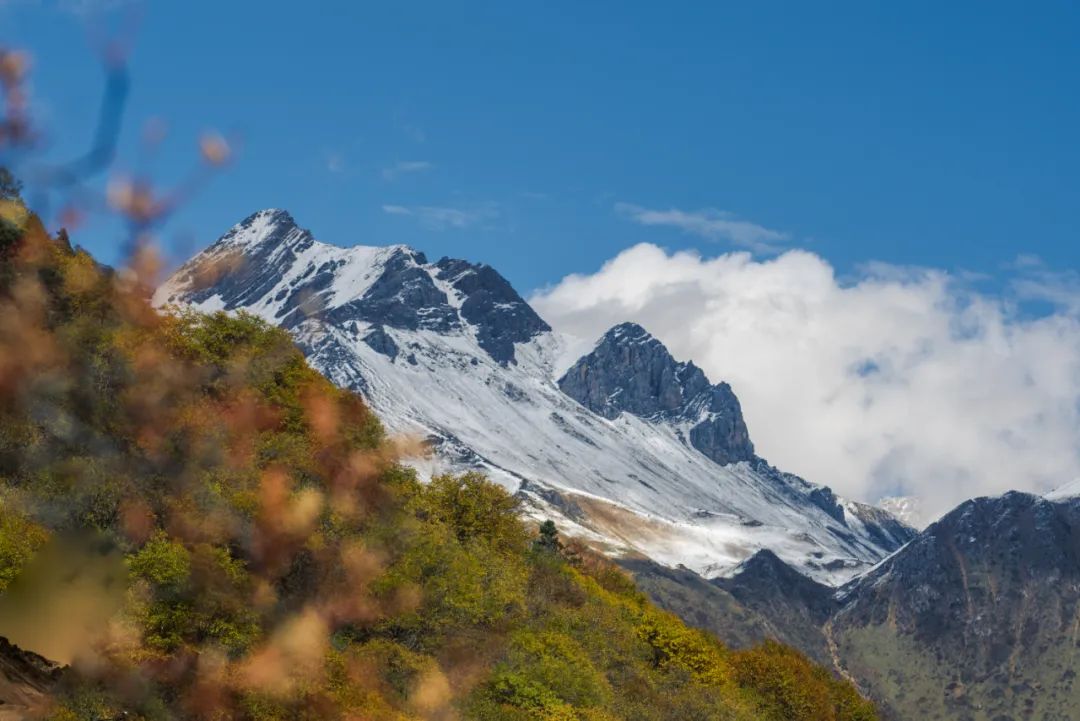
976 618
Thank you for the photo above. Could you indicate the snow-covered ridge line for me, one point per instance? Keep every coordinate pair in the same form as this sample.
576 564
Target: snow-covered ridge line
616 440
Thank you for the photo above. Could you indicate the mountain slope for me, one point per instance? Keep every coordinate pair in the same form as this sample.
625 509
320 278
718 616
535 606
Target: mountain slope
620 443
977 618
764 599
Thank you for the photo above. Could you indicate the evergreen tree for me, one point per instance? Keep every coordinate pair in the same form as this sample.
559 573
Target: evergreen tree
10 187
10 192
549 537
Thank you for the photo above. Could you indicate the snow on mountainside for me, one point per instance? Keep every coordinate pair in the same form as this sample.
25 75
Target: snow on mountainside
1068 491
617 441
906 508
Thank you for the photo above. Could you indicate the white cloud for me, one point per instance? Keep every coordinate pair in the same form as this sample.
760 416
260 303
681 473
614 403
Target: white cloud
708 223
901 381
405 167
441 218
1039 283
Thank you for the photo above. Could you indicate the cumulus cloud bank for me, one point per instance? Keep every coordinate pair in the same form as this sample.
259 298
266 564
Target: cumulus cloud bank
899 382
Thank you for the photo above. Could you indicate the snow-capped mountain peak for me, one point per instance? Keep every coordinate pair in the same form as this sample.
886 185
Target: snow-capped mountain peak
392 286
629 448
271 225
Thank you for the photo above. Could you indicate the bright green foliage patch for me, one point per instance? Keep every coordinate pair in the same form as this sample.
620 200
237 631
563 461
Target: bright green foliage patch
19 539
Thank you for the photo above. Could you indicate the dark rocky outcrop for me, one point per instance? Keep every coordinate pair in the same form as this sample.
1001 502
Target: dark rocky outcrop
381 342
404 296
881 526
498 314
245 268
976 618
630 371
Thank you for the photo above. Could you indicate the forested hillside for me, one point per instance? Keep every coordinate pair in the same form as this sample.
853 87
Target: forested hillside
202 526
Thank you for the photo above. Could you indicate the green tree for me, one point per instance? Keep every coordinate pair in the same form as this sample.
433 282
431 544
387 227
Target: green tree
10 186
548 539
10 205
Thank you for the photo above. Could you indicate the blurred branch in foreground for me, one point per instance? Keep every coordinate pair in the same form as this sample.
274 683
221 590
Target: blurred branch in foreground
69 186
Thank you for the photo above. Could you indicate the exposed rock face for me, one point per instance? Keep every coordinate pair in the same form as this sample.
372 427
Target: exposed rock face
631 371
403 296
382 342
241 281
975 618
501 317
883 527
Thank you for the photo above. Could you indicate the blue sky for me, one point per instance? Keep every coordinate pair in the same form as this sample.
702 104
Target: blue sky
544 138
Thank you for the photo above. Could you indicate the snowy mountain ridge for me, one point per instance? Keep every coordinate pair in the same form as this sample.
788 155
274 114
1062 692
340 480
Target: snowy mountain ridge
615 440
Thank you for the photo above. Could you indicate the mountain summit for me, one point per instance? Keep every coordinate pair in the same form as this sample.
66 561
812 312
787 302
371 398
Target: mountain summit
391 287
622 444
631 371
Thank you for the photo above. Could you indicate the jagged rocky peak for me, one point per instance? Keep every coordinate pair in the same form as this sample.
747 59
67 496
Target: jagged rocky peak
416 337
631 371
500 316
882 526
243 265
402 296
271 227
270 266
971 571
